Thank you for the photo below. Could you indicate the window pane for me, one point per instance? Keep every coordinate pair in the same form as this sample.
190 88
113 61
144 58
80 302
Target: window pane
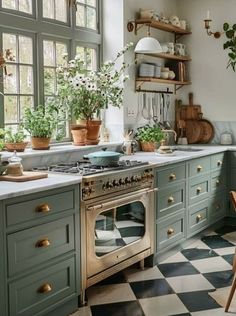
48 53
49 81
91 2
10 108
9 41
61 10
91 59
80 15
9 4
60 50
80 51
25 102
10 82
91 18
25 6
25 50
26 80
48 9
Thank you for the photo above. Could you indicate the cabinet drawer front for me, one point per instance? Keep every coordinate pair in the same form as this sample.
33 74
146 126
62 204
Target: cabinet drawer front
33 246
199 166
232 156
170 175
198 216
170 200
218 161
218 181
199 189
170 231
217 207
30 295
39 207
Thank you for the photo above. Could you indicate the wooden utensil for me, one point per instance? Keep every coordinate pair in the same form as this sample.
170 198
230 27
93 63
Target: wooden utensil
27 176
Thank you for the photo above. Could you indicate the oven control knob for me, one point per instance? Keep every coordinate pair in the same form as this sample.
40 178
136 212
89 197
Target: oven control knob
115 183
109 185
127 180
104 187
121 181
139 178
134 179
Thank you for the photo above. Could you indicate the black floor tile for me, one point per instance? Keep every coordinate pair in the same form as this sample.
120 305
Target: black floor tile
198 301
151 288
220 278
229 258
131 308
195 253
225 230
114 279
216 241
177 269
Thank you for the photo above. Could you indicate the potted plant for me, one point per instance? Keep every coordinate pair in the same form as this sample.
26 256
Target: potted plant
42 123
149 137
87 93
14 140
230 44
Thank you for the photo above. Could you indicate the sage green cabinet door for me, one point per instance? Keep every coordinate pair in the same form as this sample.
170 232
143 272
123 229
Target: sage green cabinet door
217 207
170 175
218 181
171 231
31 247
170 200
30 209
34 293
218 161
199 166
199 189
198 217
233 159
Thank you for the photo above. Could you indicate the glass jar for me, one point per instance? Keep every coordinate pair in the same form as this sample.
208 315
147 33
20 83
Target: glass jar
15 167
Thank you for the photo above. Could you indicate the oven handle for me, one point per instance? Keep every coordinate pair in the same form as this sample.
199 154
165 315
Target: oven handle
108 204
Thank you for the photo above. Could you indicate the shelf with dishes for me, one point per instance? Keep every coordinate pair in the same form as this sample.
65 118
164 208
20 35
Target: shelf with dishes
167 56
178 84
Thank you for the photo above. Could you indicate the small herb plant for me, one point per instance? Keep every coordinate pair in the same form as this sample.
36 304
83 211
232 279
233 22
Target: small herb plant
230 44
14 136
149 133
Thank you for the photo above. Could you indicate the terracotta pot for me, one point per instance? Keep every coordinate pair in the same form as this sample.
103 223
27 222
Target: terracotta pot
93 131
146 146
40 143
19 147
79 136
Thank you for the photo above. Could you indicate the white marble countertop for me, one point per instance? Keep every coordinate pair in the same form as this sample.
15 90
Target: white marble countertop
13 189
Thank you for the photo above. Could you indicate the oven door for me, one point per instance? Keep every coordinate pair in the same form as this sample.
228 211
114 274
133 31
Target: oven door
118 229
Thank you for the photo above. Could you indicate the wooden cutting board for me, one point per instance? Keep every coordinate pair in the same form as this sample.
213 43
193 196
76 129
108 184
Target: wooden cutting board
207 131
27 176
191 111
193 129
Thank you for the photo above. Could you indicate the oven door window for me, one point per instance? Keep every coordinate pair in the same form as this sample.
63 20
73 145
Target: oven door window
118 227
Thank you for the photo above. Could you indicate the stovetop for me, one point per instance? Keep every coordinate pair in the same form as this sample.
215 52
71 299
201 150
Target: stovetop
84 168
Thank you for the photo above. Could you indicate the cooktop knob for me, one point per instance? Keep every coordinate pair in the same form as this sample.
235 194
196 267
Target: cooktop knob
139 178
121 181
109 185
115 183
127 180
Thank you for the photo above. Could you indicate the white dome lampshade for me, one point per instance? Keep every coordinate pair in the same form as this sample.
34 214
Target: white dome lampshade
148 45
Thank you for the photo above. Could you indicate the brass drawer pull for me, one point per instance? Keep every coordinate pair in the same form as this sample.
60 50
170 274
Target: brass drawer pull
219 163
199 168
199 190
43 243
217 182
45 288
218 206
43 208
170 199
172 176
199 217
170 231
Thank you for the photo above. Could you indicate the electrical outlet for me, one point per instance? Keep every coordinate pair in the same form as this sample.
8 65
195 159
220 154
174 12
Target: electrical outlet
131 113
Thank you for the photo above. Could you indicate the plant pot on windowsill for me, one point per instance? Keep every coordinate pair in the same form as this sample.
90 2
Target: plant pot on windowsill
79 134
93 131
40 143
19 147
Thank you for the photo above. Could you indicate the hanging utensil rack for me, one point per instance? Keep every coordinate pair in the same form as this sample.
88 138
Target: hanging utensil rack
167 91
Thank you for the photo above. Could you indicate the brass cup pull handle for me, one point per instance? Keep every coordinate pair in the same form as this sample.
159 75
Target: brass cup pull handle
170 231
43 243
219 163
217 182
43 208
199 168
199 217
170 199
199 190
45 288
172 176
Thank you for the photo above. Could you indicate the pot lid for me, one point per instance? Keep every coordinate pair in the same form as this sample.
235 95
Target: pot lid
98 154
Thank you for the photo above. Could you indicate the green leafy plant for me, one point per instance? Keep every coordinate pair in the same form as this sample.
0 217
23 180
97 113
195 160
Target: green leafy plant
149 133
12 136
42 121
230 44
87 93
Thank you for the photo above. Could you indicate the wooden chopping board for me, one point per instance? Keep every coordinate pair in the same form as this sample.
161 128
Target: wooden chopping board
207 131
27 176
191 111
193 129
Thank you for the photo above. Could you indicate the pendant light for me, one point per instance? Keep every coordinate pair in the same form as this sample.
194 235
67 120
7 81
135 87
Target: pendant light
148 44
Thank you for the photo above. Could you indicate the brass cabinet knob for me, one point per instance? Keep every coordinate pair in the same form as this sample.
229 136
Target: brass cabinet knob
217 182
170 199
199 190
218 206
199 217
172 176
43 243
219 163
45 288
43 208
170 231
199 168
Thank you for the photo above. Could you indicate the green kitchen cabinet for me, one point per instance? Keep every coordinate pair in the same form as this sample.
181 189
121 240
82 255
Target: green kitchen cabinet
40 238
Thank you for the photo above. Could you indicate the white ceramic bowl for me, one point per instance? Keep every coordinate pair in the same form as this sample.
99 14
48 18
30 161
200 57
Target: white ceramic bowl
164 74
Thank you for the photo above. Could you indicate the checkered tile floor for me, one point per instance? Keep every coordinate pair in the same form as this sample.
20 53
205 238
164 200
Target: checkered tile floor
177 286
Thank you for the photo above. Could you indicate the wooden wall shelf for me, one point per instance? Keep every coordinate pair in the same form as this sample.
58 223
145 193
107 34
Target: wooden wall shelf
178 84
168 56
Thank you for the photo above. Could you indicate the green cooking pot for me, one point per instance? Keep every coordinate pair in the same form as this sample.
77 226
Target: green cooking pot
104 158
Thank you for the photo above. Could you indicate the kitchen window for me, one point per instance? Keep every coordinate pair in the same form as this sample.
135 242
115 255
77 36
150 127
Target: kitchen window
52 28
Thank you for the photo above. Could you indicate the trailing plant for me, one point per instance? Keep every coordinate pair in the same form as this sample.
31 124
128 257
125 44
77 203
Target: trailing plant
149 133
230 44
12 136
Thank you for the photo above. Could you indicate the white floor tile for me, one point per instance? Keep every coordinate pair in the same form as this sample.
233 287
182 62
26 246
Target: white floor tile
176 258
231 237
188 283
225 251
163 305
198 244
134 275
105 294
213 264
